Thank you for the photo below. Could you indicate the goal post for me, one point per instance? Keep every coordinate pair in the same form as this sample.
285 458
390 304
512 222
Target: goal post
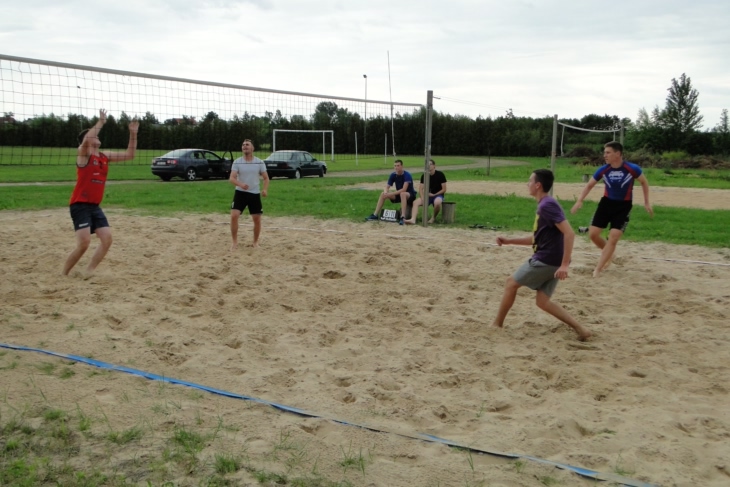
324 143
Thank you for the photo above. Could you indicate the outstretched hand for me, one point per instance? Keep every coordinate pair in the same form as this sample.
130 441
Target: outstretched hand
134 126
102 115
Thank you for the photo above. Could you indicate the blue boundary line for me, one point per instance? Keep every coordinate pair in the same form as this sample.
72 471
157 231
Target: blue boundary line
592 474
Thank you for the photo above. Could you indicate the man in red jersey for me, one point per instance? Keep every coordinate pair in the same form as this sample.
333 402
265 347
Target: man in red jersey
92 167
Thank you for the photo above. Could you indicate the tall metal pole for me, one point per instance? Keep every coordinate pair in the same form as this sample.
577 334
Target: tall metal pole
426 174
555 148
365 135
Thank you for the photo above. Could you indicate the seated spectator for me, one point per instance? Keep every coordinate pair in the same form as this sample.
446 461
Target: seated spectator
436 193
403 194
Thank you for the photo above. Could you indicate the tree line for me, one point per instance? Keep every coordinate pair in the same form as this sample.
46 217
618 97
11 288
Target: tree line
676 127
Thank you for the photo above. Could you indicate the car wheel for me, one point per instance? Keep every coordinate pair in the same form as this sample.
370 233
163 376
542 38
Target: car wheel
190 174
297 174
321 172
166 178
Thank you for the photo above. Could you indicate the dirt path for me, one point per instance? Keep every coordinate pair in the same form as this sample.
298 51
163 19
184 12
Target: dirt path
702 198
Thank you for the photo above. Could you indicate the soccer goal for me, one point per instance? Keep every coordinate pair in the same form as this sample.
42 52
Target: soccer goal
297 141
618 129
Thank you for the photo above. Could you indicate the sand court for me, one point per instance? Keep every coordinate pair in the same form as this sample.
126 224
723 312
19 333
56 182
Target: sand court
315 319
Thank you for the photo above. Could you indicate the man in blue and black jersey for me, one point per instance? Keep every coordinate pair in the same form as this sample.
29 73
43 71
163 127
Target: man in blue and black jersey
615 205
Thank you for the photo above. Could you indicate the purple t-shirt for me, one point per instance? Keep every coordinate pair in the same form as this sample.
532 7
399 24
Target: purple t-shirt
547 239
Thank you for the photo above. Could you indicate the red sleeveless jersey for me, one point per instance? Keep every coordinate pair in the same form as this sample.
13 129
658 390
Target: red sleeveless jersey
90 180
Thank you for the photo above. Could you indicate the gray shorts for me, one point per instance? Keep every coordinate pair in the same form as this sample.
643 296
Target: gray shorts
537 276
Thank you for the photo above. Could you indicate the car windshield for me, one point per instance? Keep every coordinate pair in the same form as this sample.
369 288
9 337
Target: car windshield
281 156
176 153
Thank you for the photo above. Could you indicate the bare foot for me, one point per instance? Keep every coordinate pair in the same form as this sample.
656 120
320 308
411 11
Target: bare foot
255 244
498 325
596 272
412 221
234 246
430 221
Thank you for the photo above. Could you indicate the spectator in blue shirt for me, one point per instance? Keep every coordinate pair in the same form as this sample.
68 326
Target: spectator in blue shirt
404 192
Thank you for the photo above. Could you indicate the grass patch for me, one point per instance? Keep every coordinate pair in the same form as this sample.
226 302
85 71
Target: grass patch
336 199
126 436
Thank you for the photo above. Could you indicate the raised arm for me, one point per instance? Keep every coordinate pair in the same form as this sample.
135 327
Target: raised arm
578 204
116 156
88 145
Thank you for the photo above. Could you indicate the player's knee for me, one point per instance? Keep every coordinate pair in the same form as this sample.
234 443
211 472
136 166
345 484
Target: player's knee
510 283
542 301
106 240
83 244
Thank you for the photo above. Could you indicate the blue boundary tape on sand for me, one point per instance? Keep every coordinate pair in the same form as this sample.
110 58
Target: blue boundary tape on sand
592 474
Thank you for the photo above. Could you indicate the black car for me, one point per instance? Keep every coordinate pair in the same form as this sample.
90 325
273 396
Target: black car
294 164
192 164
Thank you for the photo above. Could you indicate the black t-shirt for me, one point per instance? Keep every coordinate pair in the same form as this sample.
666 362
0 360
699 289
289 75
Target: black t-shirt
435 181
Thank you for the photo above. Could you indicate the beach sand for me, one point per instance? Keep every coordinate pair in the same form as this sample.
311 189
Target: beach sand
374 324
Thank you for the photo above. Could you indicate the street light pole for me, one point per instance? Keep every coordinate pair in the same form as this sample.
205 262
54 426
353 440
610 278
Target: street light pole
365 134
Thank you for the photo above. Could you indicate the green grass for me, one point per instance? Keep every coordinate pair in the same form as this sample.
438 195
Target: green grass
343 198
328 198
568 172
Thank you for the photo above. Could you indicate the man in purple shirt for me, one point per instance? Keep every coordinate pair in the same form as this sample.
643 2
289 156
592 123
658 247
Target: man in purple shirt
552 243
615 206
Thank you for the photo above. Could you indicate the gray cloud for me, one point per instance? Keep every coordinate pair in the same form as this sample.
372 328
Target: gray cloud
568 57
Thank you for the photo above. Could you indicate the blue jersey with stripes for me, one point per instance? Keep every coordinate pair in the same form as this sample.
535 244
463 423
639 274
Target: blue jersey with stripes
619 181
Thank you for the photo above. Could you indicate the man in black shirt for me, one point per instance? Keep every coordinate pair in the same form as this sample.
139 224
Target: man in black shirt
436 193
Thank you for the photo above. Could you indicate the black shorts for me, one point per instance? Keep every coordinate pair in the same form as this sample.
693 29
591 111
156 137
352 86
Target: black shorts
615 213
87 215
242 199
396 198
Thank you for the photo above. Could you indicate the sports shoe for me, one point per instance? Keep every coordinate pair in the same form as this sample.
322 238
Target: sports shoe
582 229
402 221
372 218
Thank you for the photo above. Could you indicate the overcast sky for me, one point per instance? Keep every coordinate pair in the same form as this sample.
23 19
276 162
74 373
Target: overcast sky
568 57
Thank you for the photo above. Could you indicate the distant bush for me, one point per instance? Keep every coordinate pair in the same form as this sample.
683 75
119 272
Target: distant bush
582 151
667 160
675 156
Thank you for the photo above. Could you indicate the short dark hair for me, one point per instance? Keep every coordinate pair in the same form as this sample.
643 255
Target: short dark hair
617 146
432 161
398 161
81 136
545 177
